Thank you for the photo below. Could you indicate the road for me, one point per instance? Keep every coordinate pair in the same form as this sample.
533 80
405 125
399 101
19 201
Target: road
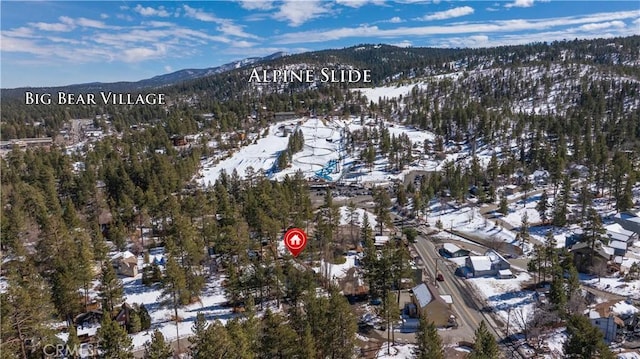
466 304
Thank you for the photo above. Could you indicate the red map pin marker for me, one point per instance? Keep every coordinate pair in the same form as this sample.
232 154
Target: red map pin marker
295 239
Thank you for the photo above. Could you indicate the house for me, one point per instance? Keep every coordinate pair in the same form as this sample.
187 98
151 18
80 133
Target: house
619 248
603 316
617 232
124 315
381 240
428 301
450 250
126 263
539 177
585 259
479 266
282 116
490 264
629 221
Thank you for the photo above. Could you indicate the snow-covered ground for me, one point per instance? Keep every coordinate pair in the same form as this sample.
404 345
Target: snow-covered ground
337 271
210 304
505 295
614 284
404 351
345 218
469 220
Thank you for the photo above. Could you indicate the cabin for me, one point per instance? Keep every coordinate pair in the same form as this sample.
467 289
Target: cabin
126 264
450 250
585 259
428 301
490 264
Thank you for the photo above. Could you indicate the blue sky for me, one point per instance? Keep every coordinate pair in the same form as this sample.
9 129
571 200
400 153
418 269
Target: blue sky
53 43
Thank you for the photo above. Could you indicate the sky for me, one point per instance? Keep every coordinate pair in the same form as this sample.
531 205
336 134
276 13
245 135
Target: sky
54 43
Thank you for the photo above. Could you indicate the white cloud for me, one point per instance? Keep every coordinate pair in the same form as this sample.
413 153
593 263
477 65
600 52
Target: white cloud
104 16
405 43
199 14
500 26
520 3
138 54
84 22
602 25
150 11
158 23
395 20
226 26
449 14
359 3
298 12
492 9
256 4
58 26
168 68
473 41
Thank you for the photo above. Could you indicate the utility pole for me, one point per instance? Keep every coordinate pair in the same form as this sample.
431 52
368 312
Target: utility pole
508 321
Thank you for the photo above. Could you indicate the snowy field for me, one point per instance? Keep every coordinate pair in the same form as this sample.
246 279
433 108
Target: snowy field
323 152
505 295
210 304
404 351
337 271
470 221
614 284
358 217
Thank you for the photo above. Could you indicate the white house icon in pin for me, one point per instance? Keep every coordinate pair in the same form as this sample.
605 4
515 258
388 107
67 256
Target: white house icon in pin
295 240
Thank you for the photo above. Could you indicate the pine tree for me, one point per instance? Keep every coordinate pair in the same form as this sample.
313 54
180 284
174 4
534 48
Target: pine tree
382 204
585 340
524 230
111 289
135 324
174 292
542 206
278 339
25 312
145 318
73 343
429 345
157 348
485 345
504 205
113 340
557 292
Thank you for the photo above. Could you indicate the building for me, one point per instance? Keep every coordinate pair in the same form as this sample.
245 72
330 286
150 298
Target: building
283 116
381 240
479 266
27 143
126 264
490 264
428 301
585 259
629 221
603 317
450 250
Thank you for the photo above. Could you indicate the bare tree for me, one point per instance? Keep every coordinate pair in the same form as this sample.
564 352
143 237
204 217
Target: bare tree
576 304
599 268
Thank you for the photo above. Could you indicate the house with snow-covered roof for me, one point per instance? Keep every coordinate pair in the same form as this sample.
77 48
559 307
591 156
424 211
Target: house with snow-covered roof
629 220
451 250
490 264
429 302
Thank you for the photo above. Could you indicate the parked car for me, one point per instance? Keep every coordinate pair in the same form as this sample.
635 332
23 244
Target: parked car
440 277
